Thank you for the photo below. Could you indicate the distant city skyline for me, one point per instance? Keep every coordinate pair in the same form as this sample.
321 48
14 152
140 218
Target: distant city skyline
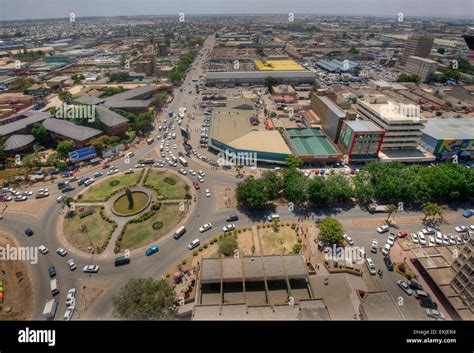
48 9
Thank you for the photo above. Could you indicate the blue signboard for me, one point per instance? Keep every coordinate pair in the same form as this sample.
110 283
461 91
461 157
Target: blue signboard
80 155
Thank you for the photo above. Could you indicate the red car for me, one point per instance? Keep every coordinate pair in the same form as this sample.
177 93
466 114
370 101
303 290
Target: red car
196 185
402 234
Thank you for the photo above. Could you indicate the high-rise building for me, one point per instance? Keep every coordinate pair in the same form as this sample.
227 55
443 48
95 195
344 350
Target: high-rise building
418 44
421 67
464 268
162 50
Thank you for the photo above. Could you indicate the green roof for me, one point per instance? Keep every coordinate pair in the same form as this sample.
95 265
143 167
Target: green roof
311 141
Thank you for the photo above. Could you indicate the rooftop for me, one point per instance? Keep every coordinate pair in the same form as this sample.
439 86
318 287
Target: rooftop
450 128
71 130
278 65
311 141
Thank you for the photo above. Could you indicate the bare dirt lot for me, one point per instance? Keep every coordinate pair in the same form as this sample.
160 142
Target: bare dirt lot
17 286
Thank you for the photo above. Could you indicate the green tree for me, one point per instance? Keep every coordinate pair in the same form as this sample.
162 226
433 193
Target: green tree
251 193
293 162
228 245
273 182
144 299
441 51
120 76
330 230
431 209
270 82
63 148
364 190
295 184
408 78
159 100
40 134
65 96
175 78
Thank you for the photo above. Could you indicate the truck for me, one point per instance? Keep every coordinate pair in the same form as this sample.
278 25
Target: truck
50 308
375 208
183 161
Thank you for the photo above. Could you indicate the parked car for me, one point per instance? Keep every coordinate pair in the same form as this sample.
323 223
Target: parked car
388 263
205 227
61 252
43 249
370 266
414 285
414 238
374 246
461 229
348 239
71 264
391 240
402 234
435 314
195 243
383 229
228 227
232 217
405 287
91 269
386 249
467 213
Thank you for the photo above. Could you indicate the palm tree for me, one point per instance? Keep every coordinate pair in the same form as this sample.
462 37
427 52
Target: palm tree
431 209
391 209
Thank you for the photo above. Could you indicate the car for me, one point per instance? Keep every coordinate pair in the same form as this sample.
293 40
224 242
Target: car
150 251
461 229
91 269
402 234
232 217
29 232
467 213
435 314
20 198
41 195
98 174
43 191
445 239
471 227
196 185
192 172
43 249
428 303
182 171
371 266
201 173
208 193
388 263
391 240
459 240
348 239
60 198
129 171
404 287
89 181
374 246
61 252
195 243
383 229
71 264
431 241
112 171
414 237
422 238
439 238
51 271
68 313
414 285
140 165
201 180
466 237
68 188
205 227
228 227
71 297
27 193
428 231
452 239
386 249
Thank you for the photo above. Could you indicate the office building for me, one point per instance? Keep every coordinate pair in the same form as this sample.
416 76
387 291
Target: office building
421 67
329 113
360 140
418 44
464 268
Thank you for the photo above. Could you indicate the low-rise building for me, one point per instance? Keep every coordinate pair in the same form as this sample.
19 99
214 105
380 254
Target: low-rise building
360 140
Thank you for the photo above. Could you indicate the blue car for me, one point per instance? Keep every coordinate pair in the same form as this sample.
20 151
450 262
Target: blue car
151 250
467 213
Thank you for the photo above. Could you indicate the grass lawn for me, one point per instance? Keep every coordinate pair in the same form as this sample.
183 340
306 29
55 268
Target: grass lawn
140 234
278 242
98 230
103 190
168 186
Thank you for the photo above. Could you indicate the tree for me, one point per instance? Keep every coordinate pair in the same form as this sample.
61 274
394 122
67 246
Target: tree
295 186
273 182
228 245
391 209
40 134
65 96
431 209
121 76
159 100
175 78
144 299
441 51
293 162
364 190
63 148
330 230
270 82
408 78
251 193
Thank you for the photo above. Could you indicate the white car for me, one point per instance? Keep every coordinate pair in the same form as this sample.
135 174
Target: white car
43 249
471 227
461 229
383 229
21 198
91 269
129 171
452 239
439 238
445 239
459 240
68 313
391 240
27 193
201 180
205 227
61 252
404 286
428 230
374 246
71 297
371 266
201 173
431 241
43 191
438 315
208 193
228 227
175 146
182 171
112 171
140 165
71 264
192 172
414 238
348 239
386 249
422 238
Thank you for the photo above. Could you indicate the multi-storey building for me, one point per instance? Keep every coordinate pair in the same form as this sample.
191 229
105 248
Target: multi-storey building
418 44
464 267
421 67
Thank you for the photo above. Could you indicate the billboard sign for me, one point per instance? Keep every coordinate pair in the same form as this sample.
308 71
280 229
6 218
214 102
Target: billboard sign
83 154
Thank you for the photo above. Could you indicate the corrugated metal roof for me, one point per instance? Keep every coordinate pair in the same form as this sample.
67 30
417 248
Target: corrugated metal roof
71 130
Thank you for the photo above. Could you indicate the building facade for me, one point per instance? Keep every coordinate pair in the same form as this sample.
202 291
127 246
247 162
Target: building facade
464 267
360 140
421 67
418 44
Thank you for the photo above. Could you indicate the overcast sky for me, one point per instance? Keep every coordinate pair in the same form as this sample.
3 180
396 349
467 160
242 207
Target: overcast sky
34 9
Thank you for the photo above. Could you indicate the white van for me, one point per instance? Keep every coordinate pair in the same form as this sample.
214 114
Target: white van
195 243
273 217
179 232
129 155
370 266
54 286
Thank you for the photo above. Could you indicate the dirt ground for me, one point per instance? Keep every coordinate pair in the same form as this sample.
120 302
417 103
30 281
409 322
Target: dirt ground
31 206
18 288
226 198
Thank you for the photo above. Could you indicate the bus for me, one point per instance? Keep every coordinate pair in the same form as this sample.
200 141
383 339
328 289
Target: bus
183 161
